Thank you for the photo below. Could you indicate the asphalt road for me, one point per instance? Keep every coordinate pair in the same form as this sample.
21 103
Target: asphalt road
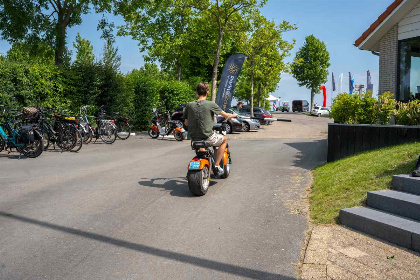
124 211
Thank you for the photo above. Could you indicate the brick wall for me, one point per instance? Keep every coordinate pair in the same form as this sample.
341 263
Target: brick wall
388 61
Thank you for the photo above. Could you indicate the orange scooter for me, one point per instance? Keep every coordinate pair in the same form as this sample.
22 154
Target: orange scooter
201 167
163 126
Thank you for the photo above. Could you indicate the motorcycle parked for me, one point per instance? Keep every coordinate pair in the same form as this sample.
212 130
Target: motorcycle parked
202 165
162 125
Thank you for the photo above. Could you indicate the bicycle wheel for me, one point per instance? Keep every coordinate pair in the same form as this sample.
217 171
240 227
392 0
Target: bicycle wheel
34 149
66 138
123 130
79 141
107 132
46 139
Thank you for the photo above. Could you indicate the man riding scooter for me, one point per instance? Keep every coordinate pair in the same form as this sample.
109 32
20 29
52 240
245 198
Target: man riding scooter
199 117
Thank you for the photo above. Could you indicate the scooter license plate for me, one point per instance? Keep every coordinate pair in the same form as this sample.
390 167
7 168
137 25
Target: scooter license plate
194 165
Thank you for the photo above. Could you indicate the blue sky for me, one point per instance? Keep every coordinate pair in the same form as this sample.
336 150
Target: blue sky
338 23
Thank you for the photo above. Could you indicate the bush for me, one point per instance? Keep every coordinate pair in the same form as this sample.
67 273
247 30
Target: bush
386 107
174 93
408 113
345 107
23 84
367 111
144 90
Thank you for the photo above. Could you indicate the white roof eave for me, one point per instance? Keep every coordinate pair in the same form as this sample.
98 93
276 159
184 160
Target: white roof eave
370 43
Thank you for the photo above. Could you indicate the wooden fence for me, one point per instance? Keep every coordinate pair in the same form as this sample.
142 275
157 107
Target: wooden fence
349 139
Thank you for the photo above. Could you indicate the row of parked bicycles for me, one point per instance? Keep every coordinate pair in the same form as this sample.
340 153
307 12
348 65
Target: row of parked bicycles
33 130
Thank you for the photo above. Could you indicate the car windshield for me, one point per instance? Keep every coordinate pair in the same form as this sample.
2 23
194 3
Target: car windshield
316 108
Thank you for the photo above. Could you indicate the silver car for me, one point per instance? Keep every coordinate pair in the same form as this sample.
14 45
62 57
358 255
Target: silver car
249 123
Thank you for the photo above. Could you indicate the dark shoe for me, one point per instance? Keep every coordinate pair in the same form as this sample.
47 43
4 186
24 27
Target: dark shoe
416 172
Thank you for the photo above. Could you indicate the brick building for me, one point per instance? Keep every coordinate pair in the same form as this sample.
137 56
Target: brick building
395 38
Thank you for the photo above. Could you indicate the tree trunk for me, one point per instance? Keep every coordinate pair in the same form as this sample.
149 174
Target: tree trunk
259 95
60 40
252 88
215 65
179 71
312 98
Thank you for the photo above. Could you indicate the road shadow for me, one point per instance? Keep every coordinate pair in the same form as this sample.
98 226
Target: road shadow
311 153
176 186
12 155
234 270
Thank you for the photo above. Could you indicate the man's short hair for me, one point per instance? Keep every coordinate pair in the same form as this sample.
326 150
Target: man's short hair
202 89
239 103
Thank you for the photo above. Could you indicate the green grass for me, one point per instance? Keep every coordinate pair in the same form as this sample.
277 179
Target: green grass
345 183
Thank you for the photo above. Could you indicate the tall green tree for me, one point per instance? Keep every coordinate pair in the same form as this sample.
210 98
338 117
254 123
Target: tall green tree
46 21
162 28
310 67
266 51
84 51
226 16
111 59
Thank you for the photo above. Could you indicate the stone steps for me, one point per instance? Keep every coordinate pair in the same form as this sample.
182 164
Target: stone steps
392 215
398 203
396 229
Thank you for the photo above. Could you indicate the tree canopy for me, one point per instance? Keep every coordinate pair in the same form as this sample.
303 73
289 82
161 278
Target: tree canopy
45 21
310 67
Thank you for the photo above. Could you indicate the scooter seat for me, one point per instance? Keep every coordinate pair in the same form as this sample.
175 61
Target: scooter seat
200 144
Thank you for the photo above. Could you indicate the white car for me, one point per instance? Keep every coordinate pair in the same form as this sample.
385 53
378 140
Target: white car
320 111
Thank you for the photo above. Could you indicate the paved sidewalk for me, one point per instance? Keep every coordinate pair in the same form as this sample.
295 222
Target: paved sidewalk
336 252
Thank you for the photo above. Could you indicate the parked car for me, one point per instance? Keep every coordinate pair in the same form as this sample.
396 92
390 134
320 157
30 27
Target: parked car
249 123
263 116
300 106
232 125
285 106
320 111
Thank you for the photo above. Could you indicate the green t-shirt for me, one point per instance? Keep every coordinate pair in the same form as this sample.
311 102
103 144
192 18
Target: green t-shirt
200 115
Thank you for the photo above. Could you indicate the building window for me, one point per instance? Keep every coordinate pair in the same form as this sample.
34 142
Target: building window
409 69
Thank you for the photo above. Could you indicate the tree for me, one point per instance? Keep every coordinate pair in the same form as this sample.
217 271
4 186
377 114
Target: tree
229 16
162 28
266 51
111 59
84 51
310 67
45 21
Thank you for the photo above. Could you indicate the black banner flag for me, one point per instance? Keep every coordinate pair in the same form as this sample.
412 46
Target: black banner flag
228 80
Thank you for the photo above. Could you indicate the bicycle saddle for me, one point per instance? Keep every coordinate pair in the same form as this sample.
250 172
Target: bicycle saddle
200 144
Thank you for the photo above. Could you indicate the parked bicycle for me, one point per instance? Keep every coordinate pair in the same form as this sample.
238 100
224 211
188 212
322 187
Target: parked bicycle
25 138
105 129
123 127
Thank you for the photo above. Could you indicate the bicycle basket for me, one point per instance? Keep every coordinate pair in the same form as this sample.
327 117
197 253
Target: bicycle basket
31 113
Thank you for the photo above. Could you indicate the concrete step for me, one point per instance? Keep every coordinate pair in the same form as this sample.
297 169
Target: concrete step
392 228
406 183
398 203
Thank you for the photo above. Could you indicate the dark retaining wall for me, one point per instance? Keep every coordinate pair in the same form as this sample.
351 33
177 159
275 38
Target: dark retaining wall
349 139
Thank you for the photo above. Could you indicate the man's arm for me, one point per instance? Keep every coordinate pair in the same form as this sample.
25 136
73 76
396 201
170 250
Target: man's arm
227 115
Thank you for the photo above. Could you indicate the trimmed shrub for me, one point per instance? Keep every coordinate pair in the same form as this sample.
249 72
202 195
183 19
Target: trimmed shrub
408 113
367 109
345 108
386 107
174 93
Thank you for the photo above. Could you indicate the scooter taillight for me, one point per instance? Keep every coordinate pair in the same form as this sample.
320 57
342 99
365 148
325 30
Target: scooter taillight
111 121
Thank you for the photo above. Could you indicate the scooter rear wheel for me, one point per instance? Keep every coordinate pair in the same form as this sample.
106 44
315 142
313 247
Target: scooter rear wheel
152 133
198 181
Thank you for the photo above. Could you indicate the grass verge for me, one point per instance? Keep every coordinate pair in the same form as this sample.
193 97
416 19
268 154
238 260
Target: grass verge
345 183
